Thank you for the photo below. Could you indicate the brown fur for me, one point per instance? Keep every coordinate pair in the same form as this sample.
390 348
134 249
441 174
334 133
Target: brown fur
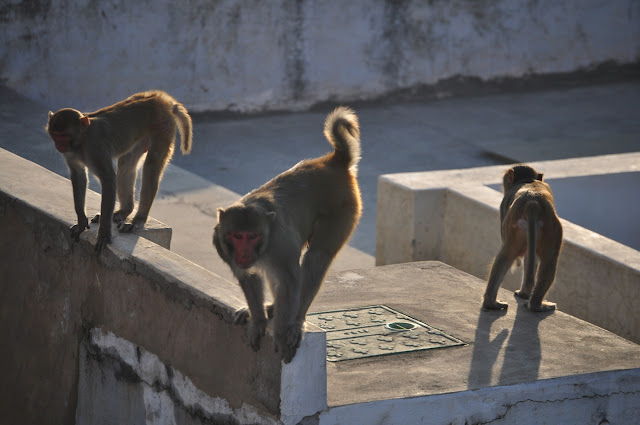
315 202
144 122
531 228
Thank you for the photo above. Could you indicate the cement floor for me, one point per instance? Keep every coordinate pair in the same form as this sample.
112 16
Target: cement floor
504 348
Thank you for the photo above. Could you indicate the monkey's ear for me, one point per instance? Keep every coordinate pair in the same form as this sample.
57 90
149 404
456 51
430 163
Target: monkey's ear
271 216
510 175
84 120
540 176
50 114
220 214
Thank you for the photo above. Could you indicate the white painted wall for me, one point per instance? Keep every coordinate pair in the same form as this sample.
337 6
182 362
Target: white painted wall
264 55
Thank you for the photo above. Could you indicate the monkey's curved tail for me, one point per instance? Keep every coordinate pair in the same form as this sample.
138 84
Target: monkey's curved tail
185 127
342 131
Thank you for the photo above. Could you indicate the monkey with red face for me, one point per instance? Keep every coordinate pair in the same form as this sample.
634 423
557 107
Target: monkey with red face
143 123
316 204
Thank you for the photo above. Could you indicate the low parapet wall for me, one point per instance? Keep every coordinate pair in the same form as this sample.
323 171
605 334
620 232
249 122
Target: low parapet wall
55 293
453 216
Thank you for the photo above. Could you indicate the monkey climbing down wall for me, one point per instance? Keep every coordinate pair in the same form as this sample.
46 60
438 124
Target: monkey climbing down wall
316 204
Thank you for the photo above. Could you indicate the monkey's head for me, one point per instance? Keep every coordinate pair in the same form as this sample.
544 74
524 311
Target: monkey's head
244 232
65 128
519 175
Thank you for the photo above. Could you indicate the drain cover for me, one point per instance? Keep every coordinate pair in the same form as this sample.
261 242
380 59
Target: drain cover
376 331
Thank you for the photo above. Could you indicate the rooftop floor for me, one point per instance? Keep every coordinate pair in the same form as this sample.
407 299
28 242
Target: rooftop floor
504 348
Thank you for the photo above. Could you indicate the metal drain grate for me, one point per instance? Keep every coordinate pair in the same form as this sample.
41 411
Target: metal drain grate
376 331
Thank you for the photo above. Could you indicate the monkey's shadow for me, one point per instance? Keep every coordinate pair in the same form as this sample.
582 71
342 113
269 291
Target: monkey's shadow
485 350
522 353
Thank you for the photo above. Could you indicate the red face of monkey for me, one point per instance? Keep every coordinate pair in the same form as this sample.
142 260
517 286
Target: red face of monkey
244 231
245 247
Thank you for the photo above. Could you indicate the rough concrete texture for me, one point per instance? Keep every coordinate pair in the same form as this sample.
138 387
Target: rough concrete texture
518 366
453 216
87 54
54 291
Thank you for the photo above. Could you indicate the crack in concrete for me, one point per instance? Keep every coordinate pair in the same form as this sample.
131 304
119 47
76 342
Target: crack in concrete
562 400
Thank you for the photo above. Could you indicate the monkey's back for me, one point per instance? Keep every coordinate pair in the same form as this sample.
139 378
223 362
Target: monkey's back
311 190
539 193
134 118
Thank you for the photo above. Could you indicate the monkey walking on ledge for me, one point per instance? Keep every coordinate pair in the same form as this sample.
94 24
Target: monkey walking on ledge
144 122
531 228
315 204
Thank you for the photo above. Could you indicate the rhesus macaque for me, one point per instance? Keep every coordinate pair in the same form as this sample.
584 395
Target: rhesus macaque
530 228
314 204
144 122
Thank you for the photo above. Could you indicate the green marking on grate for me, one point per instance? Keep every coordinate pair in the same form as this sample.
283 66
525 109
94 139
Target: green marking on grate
377 331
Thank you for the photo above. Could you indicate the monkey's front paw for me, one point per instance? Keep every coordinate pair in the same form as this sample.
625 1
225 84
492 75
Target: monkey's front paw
521 294
495 305
76 229
287 342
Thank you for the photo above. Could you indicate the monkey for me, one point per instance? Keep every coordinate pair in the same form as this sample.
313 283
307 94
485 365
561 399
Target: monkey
143 123
530 228
312 208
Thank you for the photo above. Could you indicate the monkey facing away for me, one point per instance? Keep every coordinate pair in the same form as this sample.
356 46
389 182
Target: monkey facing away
314 204
531 228
144 122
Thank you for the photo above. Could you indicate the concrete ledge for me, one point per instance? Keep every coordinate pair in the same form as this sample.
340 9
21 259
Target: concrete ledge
36 187
55 291
452 216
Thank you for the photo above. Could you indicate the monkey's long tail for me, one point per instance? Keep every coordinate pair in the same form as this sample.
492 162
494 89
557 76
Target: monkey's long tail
342 131
533 214
185 127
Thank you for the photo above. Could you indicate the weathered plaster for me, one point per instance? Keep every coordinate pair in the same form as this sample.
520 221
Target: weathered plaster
252 56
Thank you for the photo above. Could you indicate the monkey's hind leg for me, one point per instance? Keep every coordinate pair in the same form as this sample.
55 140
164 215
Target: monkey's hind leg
157 158
500 267
329 236
126 180
545 276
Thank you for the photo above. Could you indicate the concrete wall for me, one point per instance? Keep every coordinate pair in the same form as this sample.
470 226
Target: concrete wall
453 216
261 55
54 292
